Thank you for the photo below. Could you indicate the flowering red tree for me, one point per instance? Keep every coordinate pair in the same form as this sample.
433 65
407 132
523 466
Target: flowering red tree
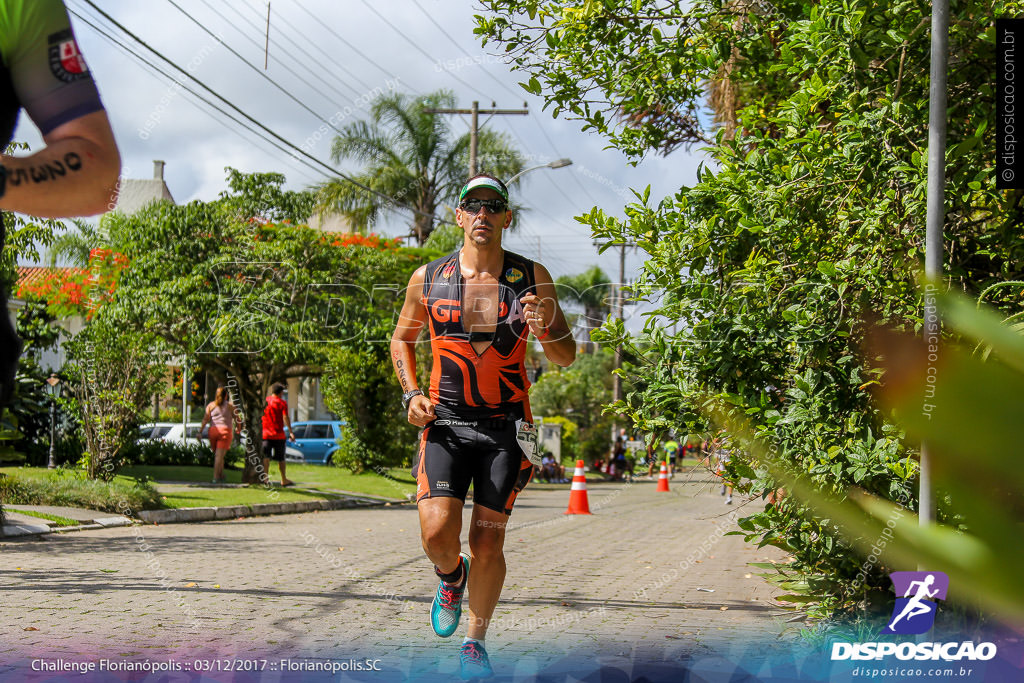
78 291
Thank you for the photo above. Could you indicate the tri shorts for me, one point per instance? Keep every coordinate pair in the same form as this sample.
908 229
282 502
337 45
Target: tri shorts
455 453
273 449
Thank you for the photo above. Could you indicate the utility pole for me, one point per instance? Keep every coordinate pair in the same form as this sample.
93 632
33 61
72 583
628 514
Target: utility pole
618 305
184 396
474 126
266 46
616 380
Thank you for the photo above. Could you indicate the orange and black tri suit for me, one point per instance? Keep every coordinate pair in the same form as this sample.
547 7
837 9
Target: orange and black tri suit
476 397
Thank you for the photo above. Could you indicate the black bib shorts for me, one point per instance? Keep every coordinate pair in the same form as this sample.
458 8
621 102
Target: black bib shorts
454 453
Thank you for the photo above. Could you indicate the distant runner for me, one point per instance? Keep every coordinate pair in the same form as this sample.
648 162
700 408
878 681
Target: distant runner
722 457
479 304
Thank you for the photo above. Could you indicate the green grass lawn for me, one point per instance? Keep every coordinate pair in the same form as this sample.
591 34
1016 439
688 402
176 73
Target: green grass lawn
61 521
217 497
394 483
322 482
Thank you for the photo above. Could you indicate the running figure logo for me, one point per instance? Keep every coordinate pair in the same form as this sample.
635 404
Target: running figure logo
914 613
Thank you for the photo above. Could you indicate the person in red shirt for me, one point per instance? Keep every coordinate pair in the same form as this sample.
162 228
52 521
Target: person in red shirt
275 418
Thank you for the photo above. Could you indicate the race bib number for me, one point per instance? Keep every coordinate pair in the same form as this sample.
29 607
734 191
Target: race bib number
526 435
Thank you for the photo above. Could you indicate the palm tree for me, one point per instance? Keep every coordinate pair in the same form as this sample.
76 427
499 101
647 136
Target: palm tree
412 157
593 290
74 246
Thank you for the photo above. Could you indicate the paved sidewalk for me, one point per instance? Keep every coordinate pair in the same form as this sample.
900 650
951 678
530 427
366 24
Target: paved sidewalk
647 576
19 522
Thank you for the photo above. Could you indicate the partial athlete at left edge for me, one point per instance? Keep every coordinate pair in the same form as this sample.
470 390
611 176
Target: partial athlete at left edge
43 72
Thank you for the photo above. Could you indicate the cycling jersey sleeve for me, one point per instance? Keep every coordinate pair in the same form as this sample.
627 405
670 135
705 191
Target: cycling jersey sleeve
44 68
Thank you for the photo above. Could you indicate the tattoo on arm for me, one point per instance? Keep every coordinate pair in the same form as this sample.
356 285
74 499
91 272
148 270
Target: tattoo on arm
51 170
403 376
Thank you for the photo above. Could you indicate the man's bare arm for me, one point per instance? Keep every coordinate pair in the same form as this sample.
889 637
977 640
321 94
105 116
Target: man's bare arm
403 348
288 423
410 322
555 338
74 175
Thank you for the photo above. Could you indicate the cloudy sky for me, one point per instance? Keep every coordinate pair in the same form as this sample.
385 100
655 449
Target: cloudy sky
328 55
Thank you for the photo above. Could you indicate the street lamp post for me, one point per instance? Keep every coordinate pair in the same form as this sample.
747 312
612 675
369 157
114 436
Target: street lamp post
53 391
557 163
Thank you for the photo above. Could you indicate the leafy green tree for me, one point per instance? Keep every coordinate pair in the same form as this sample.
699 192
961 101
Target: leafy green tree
412 157
592 290
580 393
807 222
112 372
259 196
445 239
28 413
570 437
249 300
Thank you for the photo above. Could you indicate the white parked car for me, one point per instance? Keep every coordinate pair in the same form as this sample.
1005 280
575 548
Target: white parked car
171 431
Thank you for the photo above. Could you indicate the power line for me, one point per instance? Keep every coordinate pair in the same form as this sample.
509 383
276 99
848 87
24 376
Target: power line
337 35
456 42
113 39
290 145
409 40
474 129
553 180
255 68
273 41
119 44
297 45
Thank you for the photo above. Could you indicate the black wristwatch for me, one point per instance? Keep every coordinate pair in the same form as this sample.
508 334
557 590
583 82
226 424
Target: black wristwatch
407 396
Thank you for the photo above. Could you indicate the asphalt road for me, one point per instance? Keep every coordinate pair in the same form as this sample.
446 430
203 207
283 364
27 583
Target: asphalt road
649 577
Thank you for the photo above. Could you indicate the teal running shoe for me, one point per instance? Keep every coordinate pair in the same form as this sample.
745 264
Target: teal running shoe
447 607
475 663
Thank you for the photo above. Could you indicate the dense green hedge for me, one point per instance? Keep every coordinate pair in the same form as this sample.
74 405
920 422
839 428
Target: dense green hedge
157 452
70 488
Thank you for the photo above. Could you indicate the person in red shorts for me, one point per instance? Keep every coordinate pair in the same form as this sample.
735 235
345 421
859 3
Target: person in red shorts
220 415
275 419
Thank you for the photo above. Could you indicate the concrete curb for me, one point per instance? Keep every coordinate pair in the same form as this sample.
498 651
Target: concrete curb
205 514
14 530
210 514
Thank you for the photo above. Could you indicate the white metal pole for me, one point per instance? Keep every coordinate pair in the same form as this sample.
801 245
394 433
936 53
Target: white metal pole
936 214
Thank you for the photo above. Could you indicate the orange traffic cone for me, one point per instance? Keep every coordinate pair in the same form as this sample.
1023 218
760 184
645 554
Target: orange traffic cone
663 477
578 504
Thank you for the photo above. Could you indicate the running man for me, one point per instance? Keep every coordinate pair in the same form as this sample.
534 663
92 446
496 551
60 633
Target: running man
479 305
722 457
75 174
671 446
914 606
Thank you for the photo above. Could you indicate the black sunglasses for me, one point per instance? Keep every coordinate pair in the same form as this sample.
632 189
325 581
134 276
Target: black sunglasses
492 205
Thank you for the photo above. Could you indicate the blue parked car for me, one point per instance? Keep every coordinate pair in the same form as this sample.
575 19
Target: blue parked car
315 441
